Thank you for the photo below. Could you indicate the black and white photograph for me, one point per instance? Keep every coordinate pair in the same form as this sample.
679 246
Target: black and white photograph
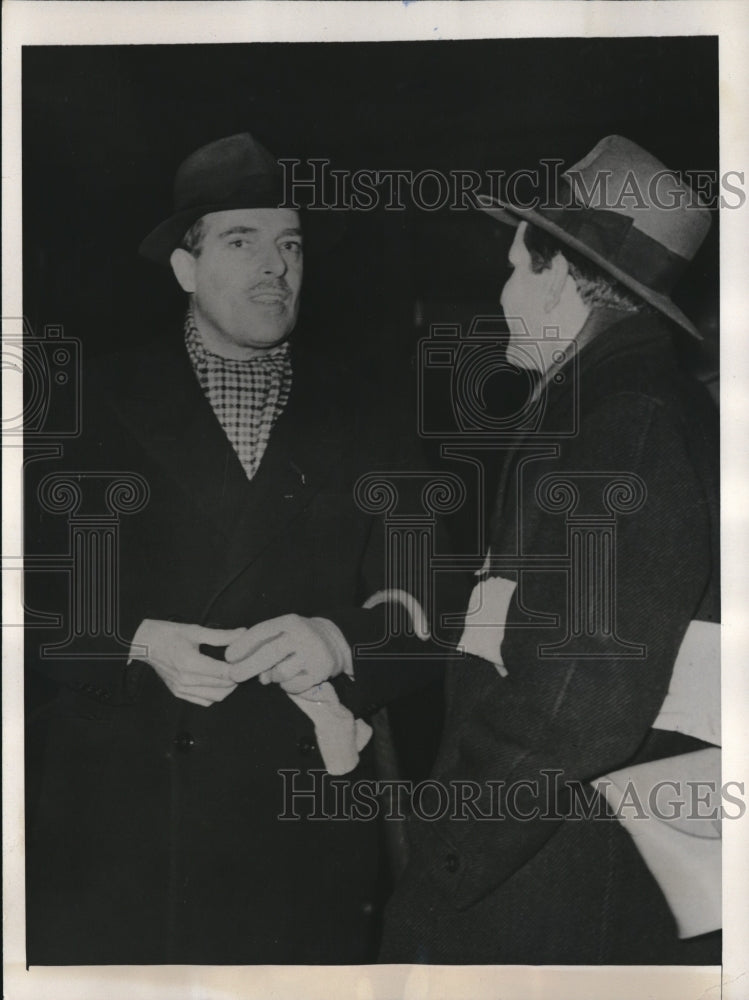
372 515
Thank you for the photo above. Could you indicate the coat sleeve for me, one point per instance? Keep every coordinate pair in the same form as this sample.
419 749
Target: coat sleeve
554 721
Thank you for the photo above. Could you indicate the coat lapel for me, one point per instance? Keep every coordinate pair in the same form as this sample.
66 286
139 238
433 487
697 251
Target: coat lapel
304 450
159 399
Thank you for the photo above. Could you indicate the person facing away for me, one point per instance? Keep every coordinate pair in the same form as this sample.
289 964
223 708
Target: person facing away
591 676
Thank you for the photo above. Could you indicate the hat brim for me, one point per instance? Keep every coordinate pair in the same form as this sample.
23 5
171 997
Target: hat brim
322 229
512 215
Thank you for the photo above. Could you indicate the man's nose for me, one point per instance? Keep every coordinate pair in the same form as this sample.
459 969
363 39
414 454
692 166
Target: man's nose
272 261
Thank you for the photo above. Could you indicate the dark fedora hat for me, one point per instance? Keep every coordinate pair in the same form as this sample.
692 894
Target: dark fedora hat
626 212
233 172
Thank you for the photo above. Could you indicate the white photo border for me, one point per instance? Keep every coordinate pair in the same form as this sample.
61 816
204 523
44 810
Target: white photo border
178 22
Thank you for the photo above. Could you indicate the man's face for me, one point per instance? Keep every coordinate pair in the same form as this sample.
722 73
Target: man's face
246 279
522 299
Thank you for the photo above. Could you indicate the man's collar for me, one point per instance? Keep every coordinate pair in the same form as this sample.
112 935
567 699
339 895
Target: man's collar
589 339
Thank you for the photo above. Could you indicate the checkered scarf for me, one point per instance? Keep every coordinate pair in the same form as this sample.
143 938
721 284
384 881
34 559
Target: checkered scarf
247 396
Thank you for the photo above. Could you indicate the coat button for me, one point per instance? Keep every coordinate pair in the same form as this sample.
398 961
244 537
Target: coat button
306 746
452 863
184 742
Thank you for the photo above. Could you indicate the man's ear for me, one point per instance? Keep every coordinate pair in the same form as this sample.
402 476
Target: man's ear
183 265
558 272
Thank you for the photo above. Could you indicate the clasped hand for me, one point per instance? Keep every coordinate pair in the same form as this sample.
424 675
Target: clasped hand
296 653
173 650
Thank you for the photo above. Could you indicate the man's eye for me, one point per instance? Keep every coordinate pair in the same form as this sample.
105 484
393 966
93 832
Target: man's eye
292 246
238 242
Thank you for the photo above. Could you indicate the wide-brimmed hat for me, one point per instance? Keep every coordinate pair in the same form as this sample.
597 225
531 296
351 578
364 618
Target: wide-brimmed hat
233 172
626 212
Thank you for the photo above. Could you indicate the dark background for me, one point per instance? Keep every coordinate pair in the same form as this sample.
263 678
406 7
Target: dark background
104 129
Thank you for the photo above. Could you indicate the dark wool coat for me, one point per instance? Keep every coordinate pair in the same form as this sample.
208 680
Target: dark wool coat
152 823
555 889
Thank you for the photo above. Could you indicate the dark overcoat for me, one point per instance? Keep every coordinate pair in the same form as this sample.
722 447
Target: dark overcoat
560 887
152 829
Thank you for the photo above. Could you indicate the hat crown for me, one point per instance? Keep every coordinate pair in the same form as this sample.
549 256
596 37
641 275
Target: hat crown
219 170
235 172
620 176
628 214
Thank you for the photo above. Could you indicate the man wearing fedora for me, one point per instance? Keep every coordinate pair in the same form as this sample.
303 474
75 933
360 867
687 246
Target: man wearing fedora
591 674
155 834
